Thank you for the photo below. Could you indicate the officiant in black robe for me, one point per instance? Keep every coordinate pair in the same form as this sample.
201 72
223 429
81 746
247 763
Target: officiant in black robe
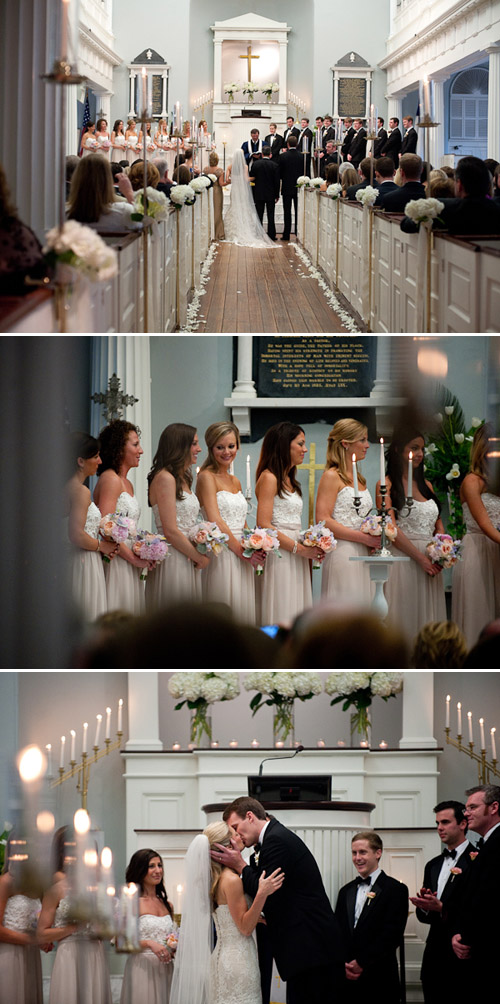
266 188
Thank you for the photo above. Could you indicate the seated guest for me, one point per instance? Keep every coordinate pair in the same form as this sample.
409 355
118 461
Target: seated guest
71 165
496 183
441 186
348 177
178 160
164 185
384 175
410 167
329 156
92 200
331 176
136 175
450 171
439 645
20 250
372 911
182 175
189 162
364 171
491 164
472 211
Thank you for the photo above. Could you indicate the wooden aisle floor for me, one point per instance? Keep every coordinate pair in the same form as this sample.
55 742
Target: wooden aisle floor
250 289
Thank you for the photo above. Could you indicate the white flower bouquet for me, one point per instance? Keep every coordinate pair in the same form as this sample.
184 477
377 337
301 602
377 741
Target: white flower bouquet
270 89
423 210
207 538
334 190
447 458
81 248
303 180
373 525
157 205
443 550
200 184
250 87
198 691
181 195
357 690
366 195
315 182
318 535
282 689
231 89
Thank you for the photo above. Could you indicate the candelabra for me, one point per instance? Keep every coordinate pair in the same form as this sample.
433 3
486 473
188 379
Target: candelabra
82 770
485 769
381 551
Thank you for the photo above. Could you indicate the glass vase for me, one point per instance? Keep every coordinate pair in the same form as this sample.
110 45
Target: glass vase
284 723
360 727
230 98
200 732
250 99
269 98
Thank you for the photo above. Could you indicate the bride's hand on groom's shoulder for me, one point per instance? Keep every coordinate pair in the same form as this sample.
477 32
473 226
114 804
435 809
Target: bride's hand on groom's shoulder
272 883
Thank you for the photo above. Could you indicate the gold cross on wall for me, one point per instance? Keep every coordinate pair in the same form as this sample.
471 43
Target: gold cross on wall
249 57
312 467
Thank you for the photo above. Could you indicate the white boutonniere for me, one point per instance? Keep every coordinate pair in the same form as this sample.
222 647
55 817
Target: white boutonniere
370 896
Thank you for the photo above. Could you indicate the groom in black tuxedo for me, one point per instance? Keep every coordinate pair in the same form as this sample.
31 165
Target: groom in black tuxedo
372 912
302 927
438 901
265 175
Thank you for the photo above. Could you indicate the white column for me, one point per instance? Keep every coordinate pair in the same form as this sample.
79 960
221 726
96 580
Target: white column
244 385
394 108
418 711
282 73
132 112
494 101
436 136
143 712
164 109
335 108
128 356
383 384
72 133
218 81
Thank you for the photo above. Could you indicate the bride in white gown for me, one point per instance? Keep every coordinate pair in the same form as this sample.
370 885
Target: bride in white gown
241 223
230 974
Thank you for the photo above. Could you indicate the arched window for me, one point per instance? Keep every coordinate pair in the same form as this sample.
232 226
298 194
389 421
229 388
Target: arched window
469 108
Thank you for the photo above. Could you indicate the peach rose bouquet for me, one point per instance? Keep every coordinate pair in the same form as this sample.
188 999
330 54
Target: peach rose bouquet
258 543
318 535
207 538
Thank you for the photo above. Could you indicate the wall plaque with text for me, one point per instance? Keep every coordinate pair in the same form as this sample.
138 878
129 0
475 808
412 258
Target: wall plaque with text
352 97
157 94
314 366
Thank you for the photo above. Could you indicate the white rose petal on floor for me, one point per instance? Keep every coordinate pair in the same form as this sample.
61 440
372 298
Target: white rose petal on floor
314 273
192 313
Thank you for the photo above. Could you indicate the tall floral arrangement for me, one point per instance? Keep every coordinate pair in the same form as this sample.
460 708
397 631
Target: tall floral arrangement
447 458
280 691
357 690
4 836
199 691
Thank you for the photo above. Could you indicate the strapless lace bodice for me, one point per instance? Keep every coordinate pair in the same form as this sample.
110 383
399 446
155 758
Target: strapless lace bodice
491 504
21 913
287 511
421 521
344 511
235 977
153 928
92 521
233 509
61 918
187 511
127 505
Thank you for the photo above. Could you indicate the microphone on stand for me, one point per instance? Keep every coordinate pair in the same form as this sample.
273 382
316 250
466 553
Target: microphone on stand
287 757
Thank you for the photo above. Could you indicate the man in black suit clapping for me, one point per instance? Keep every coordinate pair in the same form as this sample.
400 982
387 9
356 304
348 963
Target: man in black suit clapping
372 912
438 901
266 177
302 927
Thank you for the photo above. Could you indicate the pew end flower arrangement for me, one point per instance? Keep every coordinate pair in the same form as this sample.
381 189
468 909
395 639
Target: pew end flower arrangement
280 691
75 249
199 691
357 690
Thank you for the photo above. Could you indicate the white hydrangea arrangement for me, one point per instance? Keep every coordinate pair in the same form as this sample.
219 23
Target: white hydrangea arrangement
198 691
181 195
357 690
81 248
282 689
366 195
423 210
315 182
303 180
334 190
157 205
200 184
270 89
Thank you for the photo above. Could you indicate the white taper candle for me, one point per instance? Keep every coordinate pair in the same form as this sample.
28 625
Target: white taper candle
382 463
355 476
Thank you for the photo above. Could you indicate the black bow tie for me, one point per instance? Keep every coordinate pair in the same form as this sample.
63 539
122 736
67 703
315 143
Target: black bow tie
480 843
449 854
363 881
257 847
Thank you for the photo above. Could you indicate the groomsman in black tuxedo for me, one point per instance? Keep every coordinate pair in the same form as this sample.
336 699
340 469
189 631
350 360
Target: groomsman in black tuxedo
348 137
291 130
372 912
357 149
328 130
439 900
410 136
274 141
266 177
291 167
392 145
477 935
302 927
381 138
305 133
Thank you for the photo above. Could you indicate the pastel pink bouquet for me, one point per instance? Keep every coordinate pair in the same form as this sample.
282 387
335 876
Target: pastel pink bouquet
208 538
443 550
172 940
318 535
257 544
116 527
150 547
373 525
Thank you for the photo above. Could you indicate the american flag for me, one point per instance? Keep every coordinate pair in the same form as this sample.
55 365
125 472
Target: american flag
86 119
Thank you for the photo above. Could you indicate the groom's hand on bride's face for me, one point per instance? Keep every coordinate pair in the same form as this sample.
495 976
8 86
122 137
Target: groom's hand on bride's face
228 857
